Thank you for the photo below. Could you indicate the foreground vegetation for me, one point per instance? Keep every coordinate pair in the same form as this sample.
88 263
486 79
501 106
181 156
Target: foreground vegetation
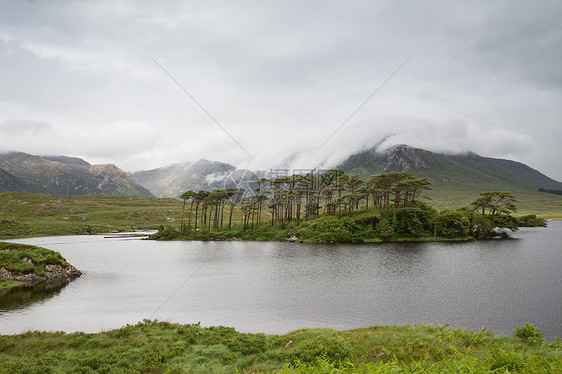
161 347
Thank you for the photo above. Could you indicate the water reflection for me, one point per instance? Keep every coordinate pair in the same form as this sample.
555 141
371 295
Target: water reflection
23 296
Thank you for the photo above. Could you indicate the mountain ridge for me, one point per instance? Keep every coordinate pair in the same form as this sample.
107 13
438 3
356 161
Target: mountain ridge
23 172
456 180
430 164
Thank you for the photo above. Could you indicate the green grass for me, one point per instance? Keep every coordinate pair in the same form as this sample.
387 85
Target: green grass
161 347
25 215
545 205
22 259
25 259
6 284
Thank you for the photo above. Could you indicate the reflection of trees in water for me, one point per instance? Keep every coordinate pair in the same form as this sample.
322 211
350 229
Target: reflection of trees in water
23 296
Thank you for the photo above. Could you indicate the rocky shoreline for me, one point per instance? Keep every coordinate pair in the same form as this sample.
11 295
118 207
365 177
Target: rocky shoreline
64 272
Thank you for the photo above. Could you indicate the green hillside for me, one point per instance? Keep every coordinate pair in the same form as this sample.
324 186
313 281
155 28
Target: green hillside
456 180
9 182
24 215
61 175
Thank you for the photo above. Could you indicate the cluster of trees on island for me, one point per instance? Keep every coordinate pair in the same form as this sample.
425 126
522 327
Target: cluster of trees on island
336 207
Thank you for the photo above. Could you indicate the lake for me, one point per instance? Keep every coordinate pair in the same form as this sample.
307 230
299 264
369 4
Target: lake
273 287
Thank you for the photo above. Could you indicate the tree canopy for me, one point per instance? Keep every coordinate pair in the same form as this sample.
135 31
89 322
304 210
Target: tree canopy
334 206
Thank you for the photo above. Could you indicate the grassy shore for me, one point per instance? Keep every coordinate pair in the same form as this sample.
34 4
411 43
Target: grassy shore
22 264
26 215
6 284
160 347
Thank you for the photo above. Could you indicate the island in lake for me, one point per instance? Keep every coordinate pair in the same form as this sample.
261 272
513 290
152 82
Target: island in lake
28 265
335 207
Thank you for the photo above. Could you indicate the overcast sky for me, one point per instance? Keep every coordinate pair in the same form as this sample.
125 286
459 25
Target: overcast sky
77 78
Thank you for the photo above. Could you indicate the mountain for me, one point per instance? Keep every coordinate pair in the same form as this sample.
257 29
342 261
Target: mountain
61 175
456 180
9 182
173 180
67 160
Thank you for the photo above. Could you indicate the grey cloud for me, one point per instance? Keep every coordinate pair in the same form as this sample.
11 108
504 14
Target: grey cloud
522 40
24 127
282 76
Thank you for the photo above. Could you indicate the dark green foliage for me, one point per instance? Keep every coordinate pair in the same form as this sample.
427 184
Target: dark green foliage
406 221
334 229
414 220
371 218
385 228
236 233
555 192
482 227
167 233
531 220
495 203
452 224
492 215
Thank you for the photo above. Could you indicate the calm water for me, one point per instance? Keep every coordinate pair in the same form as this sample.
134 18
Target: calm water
278 287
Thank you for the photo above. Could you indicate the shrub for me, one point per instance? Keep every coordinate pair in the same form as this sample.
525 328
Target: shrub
368 218
451 224
166 233
385 229
415 219
531 220
505 361
330 228
333 348
529 333
482 227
